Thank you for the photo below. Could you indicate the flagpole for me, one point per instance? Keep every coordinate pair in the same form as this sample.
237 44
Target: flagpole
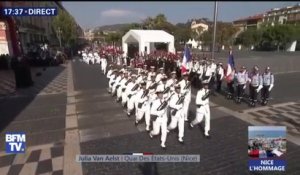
215 29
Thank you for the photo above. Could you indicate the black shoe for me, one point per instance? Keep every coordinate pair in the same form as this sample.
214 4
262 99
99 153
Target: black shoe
207 136
190 126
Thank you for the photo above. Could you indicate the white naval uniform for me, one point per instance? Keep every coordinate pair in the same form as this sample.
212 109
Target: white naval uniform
150 74
129 91
111 81
160 124
122 86
178 119
91 58
208 72
203 110
195 67
200 71
117 81
151 97
162 87
158 77
170 83
109 73
104 65
187 99
124 94
139 79
145 107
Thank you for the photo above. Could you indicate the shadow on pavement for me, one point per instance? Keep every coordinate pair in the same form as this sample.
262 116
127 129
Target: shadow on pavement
11 107
149 168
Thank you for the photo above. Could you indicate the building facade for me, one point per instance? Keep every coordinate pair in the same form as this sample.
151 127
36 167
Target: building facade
199 26
285 15
17 33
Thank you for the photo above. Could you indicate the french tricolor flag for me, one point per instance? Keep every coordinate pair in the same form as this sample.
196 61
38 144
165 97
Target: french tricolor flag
139 154
186 59
230 67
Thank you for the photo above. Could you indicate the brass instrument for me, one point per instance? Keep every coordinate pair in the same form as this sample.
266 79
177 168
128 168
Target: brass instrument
146 92
164 104
206 95
153 86
167 90
135 87
181 99
169 87
188 85
128 81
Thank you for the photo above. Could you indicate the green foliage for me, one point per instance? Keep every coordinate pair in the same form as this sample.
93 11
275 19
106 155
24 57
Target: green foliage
68 27
268 36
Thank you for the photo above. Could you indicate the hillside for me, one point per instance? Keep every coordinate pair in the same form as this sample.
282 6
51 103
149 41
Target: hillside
114 27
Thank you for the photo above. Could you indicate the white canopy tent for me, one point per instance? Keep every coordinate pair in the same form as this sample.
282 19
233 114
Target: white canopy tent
146 40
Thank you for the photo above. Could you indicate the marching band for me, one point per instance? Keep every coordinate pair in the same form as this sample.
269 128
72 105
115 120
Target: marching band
162 96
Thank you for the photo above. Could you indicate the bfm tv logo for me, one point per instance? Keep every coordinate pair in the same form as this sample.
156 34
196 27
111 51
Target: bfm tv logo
15 142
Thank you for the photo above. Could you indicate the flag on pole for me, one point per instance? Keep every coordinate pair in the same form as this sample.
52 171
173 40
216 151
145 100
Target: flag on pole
186 59
230 66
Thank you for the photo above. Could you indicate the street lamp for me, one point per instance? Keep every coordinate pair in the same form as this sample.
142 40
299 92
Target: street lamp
59 32
215 29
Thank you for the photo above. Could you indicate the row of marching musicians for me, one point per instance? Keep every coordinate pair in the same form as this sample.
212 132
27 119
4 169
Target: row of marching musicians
157 98
94 58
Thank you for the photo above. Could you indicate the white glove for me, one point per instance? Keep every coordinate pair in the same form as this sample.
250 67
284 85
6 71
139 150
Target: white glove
244 86
271 87
258 89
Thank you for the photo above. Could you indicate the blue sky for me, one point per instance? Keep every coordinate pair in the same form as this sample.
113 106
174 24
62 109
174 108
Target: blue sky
91 14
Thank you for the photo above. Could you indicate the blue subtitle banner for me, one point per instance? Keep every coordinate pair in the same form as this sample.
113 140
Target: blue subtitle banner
29 11
267 165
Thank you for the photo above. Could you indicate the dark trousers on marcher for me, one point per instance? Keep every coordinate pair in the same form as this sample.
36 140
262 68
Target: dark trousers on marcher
219 83
240 91
265 93
230 88
198 81
253 93
212 84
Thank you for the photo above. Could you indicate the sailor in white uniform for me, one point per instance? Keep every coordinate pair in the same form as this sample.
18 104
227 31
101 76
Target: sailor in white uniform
142 105
203 111
185 88
176 111
159 115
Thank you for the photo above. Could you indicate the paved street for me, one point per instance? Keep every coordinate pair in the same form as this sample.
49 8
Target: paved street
80 117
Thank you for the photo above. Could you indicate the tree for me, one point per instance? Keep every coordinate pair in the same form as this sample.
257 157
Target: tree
67 24
114 38
131 26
